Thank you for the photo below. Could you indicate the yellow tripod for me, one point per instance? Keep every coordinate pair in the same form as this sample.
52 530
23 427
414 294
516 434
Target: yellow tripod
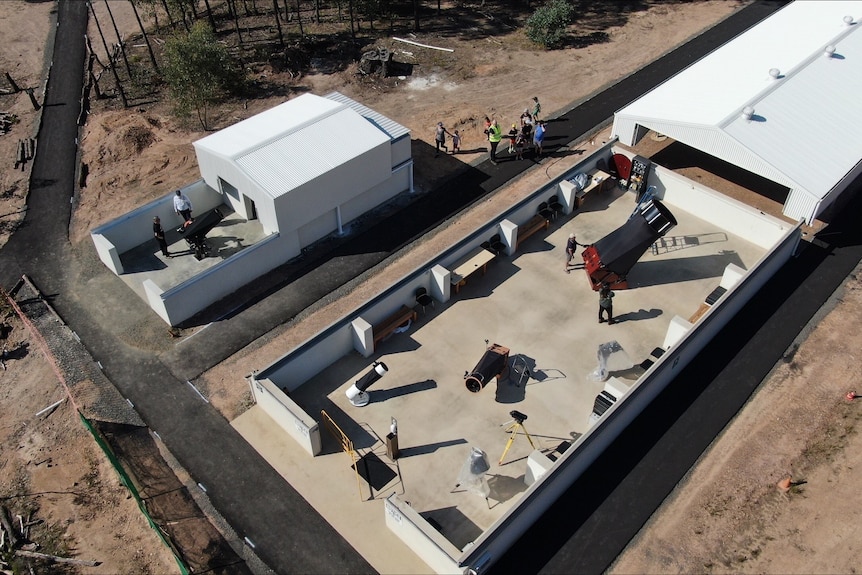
516 424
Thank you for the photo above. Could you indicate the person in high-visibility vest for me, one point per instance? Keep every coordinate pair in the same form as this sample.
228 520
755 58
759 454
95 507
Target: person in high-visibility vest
495 134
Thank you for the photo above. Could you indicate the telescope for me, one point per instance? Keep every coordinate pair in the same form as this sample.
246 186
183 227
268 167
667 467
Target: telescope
610 259
196 233
493 363
356 392
518 416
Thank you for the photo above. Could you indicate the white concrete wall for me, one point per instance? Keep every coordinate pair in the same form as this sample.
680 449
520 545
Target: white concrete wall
107 253
419 536
289 416
196 294
729 214
311 357
494 542
136 227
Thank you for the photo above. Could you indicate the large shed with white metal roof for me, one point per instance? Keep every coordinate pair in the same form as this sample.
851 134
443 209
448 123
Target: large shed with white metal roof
779 100
308 166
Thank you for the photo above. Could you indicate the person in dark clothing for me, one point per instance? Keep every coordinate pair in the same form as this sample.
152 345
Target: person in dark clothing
606 304
159 234
571 246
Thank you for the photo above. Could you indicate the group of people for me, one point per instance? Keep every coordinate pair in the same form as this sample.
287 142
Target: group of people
530 133
606 295
183 208
440 139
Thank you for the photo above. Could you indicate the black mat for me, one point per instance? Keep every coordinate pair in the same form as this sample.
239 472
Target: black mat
373 470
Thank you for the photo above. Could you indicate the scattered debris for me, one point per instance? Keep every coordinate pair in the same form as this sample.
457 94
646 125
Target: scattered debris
25 152
375 60
6 121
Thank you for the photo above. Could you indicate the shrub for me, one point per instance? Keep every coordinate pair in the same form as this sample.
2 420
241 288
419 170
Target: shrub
547 25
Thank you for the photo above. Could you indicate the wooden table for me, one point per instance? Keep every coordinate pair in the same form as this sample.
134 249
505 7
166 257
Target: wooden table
475 260
598 180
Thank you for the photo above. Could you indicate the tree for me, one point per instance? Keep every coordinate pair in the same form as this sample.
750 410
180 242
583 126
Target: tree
199 72
547 25
146 38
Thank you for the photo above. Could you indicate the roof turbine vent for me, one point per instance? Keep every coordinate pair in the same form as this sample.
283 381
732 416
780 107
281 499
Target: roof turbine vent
829 51
848 20
775 73
747 112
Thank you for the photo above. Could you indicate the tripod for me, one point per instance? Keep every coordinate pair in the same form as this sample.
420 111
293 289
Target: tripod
517 423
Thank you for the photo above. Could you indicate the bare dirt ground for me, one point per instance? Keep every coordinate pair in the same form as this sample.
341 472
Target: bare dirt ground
727 516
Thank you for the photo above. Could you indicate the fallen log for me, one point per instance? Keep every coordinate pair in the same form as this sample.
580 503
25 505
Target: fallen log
56 559
7 525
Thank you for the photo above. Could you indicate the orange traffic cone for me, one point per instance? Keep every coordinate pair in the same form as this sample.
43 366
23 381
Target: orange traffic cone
784 485
851 395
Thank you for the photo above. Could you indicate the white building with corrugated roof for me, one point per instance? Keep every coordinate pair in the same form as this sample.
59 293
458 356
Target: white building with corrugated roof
776 100
308 166
278 182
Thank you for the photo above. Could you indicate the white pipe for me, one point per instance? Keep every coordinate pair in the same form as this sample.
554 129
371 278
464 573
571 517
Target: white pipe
50 407
422 45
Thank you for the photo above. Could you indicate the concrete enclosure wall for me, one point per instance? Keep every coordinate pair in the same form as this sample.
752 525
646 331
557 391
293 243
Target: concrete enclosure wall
736 217
136 227
296 367
188 298
289 416
491 545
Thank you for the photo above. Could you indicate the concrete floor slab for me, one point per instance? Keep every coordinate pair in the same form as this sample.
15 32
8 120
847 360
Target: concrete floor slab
548 319
146 262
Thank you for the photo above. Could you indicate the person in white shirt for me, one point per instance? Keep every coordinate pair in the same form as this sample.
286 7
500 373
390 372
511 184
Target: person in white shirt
183 208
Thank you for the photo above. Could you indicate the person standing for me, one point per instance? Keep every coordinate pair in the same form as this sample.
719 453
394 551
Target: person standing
440 138
539 137
513 137
159 234
571 246
519 147
495 134
537 108
527 127
183 208
456 142
606 304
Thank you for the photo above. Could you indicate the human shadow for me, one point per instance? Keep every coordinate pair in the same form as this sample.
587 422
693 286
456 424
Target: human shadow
639 315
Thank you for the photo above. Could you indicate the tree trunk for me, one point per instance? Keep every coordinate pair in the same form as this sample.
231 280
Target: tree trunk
168 12
415 15
278 23
119 38
110 60
146 38
210 15
317 10
350 13
231 5
299 20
